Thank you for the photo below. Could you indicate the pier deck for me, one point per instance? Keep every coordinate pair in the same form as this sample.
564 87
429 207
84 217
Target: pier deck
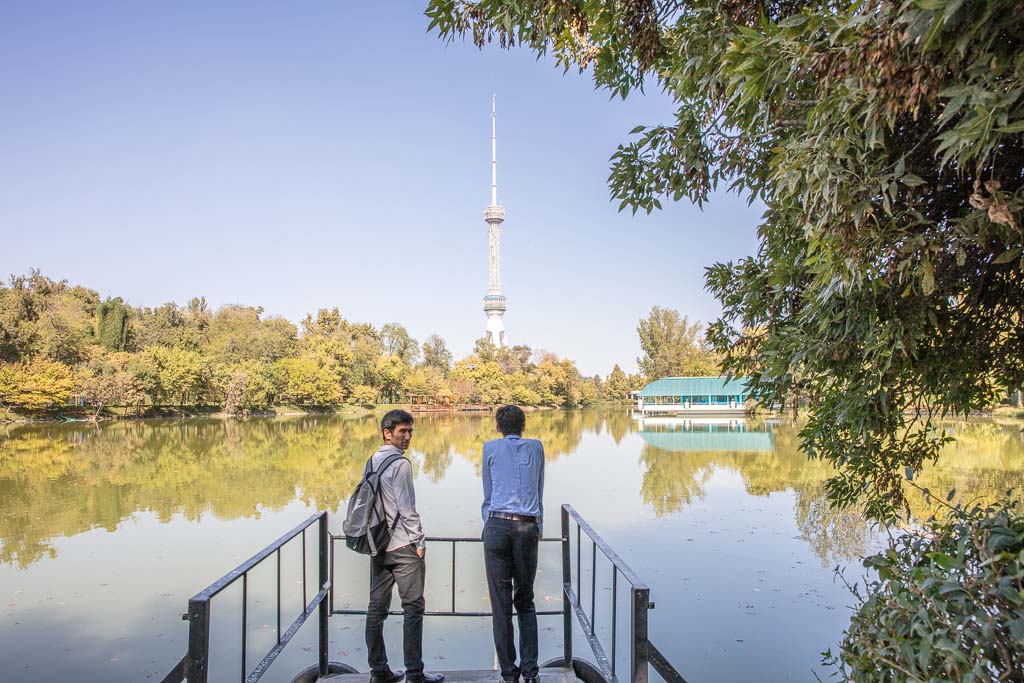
557 675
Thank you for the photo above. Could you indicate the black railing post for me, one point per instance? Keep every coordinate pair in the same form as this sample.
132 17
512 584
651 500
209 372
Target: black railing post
278 554
566 587
615 611
245 622
197 667
638 655
593 585
324 606
330 541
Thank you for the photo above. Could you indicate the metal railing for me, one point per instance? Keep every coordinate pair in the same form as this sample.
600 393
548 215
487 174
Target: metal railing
194 666
452 612
642 651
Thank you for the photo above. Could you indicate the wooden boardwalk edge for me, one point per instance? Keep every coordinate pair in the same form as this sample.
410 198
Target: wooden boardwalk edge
559 675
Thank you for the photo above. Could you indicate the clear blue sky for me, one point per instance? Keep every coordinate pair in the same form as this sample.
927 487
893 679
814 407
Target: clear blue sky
309 154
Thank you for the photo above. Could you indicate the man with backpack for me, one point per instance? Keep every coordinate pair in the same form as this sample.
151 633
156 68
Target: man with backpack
401 561
513 512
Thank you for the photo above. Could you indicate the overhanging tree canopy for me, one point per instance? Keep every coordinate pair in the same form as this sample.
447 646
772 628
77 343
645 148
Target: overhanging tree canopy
884 139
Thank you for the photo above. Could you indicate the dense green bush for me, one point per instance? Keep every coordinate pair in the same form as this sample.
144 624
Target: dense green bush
947 603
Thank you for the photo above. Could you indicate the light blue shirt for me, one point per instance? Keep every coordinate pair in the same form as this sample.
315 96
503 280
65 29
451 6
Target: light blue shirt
513 470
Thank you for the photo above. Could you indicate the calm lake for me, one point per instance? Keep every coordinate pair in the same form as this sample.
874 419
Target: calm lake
106 531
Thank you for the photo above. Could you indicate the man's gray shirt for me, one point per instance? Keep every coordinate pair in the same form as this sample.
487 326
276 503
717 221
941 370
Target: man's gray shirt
399 499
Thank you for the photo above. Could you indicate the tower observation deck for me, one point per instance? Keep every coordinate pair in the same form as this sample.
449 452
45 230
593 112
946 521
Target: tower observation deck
494 215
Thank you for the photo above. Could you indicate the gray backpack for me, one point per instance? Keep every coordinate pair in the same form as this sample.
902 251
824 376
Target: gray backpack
366 523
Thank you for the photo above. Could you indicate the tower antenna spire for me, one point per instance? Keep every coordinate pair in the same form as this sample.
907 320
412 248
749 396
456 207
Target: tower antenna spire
494 301
494 152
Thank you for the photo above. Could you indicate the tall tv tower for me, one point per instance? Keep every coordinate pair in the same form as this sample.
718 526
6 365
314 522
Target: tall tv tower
494 301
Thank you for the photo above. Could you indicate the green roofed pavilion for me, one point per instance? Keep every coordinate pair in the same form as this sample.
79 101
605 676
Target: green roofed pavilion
696 394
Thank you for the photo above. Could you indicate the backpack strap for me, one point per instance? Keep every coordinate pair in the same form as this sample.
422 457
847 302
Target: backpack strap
391 459
388 462
368 470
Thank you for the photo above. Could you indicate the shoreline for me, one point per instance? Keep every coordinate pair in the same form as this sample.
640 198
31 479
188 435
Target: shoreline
72 414
185 412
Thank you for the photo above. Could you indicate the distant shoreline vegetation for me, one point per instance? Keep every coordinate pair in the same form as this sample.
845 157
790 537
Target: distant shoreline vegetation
63 348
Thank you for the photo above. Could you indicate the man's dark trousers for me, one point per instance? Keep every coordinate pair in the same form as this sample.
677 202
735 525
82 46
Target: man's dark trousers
404 567
510 555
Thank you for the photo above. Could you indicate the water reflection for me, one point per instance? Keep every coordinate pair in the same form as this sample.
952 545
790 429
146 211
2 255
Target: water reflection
62 480
680 457
724 434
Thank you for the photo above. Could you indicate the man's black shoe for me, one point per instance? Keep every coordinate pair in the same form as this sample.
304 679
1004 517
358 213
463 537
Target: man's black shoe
388 676
426 678
530 679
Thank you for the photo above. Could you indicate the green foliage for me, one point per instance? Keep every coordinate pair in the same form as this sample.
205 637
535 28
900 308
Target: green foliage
41 383
42 317
112 324
885 140
247 387
308 380
107 379
436 354
672 347
514 359
10 377
947 603
507 375
237 333
390 370
182 375
617 387
424 381
398 342
484 349
237 358
363 395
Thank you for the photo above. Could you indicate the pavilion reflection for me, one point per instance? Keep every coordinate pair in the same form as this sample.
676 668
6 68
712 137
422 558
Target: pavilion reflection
680 457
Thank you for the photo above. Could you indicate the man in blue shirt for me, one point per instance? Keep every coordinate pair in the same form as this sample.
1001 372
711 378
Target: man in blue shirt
513 512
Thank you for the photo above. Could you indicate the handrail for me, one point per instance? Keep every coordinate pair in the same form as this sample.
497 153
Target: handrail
643 653
195 664
434 613
613 556
229 578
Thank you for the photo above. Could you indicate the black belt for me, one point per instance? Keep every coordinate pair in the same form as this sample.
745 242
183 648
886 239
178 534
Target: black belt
514 518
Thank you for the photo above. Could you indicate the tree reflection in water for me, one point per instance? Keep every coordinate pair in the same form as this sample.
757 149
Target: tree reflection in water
62 480
986 460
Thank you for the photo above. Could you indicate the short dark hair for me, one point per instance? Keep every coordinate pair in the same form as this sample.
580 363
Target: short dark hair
510 419
393 418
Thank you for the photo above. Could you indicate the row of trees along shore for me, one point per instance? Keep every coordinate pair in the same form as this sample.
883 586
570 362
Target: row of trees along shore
62 343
